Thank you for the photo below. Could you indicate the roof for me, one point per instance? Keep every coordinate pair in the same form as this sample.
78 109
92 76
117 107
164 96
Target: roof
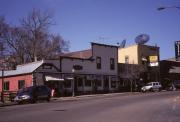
23 69
106 45
84 54
174 70
171 59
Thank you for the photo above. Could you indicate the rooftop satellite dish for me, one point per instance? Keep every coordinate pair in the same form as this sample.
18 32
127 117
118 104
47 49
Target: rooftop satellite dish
142 39
123 43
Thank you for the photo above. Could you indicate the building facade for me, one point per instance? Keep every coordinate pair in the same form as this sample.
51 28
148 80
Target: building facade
89 71
139 63
170 72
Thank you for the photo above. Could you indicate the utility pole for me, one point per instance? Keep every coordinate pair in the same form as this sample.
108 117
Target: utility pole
2 93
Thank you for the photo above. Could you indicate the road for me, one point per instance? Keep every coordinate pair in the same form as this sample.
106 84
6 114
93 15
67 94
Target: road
147 107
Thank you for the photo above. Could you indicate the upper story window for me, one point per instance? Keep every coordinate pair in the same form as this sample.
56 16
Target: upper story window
98 62
126 59
21 84
112 64
6 86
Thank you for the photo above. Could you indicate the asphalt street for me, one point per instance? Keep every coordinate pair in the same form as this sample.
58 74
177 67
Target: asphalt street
141 107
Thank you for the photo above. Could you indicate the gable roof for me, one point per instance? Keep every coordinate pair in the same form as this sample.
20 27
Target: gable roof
84 54
23 69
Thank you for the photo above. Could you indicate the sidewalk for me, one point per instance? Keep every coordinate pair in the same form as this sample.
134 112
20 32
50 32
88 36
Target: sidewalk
58 99
91 96
7 104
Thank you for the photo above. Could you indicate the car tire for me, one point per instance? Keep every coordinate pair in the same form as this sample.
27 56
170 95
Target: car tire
151 90
159 89
48 99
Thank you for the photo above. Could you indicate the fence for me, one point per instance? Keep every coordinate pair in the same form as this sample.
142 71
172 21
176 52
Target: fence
8 95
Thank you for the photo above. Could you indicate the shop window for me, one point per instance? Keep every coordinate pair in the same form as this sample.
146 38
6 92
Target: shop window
113 84
88 83
126 59
98 62
6 86
21 84
112 64
99 83
68 83
80 82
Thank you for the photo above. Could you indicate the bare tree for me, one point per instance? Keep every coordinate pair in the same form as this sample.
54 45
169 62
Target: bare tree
32 40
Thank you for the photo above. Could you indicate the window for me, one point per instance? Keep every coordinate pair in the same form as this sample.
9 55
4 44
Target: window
126 59
21 84
98 62
99 83
80 82
6 86
112 64
113 84
68 83
88 83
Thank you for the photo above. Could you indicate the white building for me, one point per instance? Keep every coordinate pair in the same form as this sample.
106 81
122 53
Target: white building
91 71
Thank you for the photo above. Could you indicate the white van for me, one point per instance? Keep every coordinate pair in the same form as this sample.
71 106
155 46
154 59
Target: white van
152 86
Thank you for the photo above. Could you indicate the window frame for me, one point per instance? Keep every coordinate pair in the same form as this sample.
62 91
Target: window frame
112 63
20 86
6 85
98 62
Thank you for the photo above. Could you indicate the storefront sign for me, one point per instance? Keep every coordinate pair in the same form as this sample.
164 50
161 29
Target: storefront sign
177 50
153 59
77 67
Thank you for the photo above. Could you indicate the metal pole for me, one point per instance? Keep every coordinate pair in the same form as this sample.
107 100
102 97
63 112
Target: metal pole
2 93
73 83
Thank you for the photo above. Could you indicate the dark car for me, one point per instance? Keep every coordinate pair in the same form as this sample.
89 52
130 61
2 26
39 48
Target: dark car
33 93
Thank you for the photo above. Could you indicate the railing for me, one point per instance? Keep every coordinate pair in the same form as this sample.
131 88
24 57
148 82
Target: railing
8 95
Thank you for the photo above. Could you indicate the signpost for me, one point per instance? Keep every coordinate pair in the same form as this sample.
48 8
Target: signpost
177 50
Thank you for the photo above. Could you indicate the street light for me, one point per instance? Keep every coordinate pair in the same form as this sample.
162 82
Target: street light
162 8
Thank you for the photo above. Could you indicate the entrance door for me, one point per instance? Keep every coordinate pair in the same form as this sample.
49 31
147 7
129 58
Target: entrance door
106 84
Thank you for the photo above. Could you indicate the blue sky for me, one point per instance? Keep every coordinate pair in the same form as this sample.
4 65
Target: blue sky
84 21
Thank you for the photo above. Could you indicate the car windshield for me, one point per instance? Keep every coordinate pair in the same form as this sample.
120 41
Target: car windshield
149 84
27 90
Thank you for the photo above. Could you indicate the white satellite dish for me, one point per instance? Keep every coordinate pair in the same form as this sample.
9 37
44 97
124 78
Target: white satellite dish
142 39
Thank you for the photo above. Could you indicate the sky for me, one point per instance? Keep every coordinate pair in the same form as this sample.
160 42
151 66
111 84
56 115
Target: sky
105 21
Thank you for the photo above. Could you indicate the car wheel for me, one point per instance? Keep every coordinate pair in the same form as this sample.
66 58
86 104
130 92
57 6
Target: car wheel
48 99
159 89
151 90
34 100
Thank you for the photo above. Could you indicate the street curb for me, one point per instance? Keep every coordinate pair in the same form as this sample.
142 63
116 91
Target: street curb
91 96
8 104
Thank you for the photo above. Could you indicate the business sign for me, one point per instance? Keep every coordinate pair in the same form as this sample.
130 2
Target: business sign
153 61
77 67
177 50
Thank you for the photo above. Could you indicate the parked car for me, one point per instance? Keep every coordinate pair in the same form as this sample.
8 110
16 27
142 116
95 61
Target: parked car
152 86
33 93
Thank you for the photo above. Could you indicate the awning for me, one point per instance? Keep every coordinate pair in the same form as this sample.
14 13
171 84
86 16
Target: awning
52 78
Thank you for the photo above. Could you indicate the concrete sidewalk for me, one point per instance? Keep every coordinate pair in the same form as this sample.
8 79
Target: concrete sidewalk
91 96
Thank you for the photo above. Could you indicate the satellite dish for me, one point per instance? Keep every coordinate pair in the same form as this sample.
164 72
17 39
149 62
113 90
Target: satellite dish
142 39
123 43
